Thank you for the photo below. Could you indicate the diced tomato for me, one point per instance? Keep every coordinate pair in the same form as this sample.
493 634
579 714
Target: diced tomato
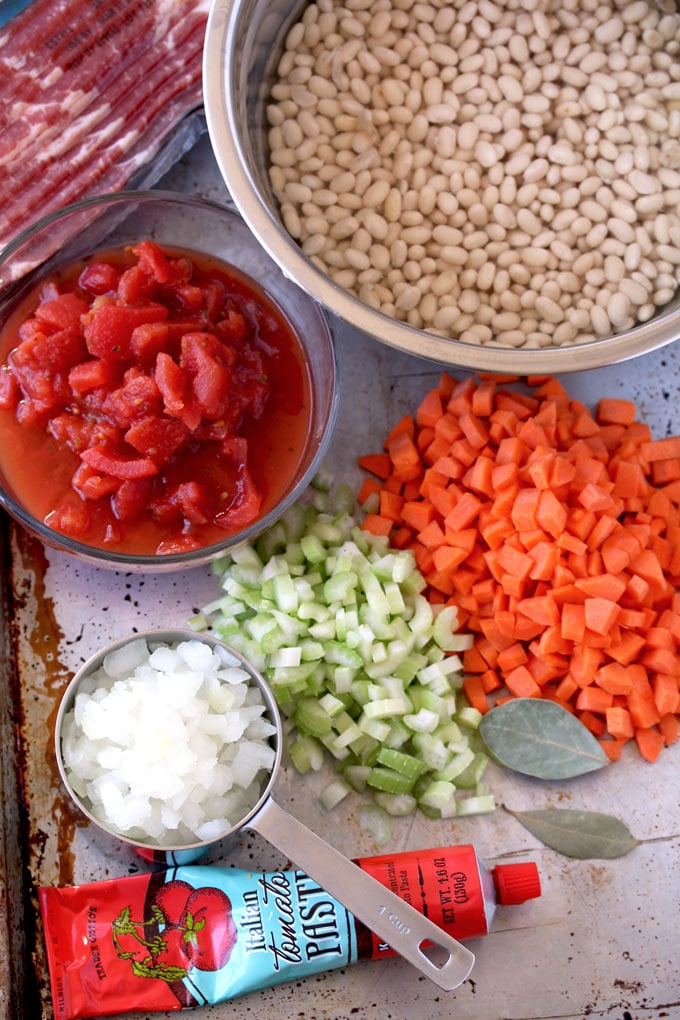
69 519
233 328
172 383
62 312
177 328
157 437
59 350
178 399
9 387
209 362
137 398
148 341
31 328
153 261
136 287
193 499
244 507
213 301
236 448
32 413
99 278
90 485
109 331
131 499
180 544
190 295
198 344
109 463
77 433
49 391
89 375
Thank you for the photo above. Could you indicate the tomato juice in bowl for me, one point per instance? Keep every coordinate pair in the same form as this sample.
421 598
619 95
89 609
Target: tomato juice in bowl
171 391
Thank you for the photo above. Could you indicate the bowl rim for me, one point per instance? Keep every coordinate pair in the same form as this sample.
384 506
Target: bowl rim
222 53
169 636
154 562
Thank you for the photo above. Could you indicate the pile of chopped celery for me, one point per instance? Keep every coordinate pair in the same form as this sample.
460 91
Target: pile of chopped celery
363 668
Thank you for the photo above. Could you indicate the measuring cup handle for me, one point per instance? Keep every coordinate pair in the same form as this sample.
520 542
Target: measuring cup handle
389 917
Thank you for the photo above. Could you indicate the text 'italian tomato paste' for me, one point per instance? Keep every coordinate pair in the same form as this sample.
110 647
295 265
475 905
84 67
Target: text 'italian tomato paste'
199 934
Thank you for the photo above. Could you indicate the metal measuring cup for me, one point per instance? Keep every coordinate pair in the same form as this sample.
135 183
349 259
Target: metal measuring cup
392 919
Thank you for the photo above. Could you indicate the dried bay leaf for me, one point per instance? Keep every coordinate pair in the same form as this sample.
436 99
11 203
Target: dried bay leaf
540 738
581 834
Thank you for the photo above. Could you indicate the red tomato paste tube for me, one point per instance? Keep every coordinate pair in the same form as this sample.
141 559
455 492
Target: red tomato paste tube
198 934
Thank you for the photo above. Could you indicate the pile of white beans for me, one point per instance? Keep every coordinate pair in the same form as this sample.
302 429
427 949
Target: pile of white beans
502 172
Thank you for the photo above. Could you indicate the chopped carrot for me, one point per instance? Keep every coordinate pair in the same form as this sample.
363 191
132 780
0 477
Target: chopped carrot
513 656
391 505
615 678
520 682
600 614
612 748
417 515
650 743
464 512
615 411
619 723
430 410
669 727
641 704
555 531
404 455
666 694
369 487
661 449
473 689
377 525
664 471
595 723
377 463
593 699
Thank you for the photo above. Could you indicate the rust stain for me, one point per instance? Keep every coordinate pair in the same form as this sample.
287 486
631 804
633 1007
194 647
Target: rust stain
44 640
600 876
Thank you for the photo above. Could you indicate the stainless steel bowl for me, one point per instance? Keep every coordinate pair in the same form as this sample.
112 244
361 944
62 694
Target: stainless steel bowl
244 42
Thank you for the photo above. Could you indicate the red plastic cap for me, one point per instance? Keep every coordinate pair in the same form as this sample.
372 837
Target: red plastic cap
516 883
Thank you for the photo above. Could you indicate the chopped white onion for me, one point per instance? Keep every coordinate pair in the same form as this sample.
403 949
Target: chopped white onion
168 744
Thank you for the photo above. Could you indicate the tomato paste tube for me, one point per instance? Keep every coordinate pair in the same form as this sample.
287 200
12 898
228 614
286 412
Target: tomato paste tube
199 934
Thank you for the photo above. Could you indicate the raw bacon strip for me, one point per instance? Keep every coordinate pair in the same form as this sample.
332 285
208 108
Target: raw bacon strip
40 107
132 87
58 64
120 76
89 163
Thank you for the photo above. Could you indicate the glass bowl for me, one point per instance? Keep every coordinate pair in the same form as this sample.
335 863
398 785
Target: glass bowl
194 225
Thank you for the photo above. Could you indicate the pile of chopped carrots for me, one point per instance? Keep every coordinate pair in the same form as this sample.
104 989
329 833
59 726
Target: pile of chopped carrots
556 533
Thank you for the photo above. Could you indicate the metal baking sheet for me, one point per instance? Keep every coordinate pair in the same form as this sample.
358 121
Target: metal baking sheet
601 941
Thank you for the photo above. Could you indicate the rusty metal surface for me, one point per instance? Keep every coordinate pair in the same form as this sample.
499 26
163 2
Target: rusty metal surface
601 941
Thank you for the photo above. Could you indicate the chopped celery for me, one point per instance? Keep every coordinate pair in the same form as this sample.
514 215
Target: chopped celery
406 764
389 781
335 792
306 753
375 820
365 670
481 805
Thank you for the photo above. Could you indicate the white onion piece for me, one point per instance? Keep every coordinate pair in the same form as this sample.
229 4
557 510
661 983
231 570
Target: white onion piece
168 744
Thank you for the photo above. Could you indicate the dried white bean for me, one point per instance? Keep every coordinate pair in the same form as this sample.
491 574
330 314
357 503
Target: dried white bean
476 149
